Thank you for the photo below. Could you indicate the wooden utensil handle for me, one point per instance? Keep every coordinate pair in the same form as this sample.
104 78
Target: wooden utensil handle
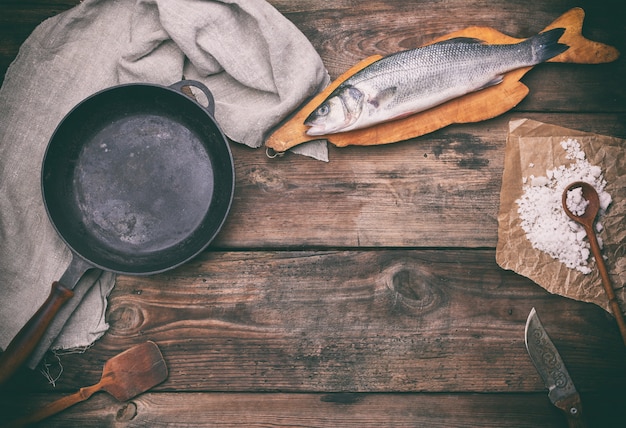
606 282
57 406
24 343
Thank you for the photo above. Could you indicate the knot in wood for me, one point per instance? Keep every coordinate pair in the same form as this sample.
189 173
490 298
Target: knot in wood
126 318
127 412
415 287
266 179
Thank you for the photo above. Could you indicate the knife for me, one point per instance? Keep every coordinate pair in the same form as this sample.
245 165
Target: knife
552 370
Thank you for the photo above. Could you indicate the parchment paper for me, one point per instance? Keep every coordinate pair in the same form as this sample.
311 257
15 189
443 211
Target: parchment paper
530 142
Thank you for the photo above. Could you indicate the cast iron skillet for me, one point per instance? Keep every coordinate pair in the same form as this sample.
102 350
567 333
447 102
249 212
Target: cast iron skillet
137 179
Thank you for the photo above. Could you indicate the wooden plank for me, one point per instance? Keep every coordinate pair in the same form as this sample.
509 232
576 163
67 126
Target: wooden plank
413 337
365 321
440 190
471 108
322 410
344 35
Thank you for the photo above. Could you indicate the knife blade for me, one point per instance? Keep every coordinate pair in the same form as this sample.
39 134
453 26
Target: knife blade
552 370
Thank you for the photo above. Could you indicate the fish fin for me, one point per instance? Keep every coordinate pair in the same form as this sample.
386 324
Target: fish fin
462 40
383 97
353 92
352 99
546 45
495 81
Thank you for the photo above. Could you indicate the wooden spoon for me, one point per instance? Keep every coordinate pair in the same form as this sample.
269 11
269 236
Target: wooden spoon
124 376
587 220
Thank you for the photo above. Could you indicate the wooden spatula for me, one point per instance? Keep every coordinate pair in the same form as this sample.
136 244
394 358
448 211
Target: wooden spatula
124 376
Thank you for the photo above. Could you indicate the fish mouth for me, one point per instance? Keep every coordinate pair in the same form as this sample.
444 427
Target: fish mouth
310 119
315 130
321 127
311 123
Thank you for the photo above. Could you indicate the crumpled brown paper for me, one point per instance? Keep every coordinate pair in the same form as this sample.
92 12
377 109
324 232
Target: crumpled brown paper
532 148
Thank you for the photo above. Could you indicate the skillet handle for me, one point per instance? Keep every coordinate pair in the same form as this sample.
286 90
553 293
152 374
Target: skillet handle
180 87
26 340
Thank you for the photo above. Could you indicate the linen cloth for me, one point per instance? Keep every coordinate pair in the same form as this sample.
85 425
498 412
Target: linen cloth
257 64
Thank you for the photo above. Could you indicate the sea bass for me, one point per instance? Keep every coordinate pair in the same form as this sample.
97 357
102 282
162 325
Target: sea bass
415 80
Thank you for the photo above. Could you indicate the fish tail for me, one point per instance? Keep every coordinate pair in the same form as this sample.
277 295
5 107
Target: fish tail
582 50
546 45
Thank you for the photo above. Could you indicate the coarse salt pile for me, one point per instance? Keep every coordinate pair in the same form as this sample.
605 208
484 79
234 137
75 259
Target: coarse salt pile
576 202
542 215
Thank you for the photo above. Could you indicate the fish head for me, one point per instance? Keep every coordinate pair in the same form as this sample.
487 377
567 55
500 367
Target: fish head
340 110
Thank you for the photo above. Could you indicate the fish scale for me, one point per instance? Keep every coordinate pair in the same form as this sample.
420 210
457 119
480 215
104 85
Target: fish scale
415 80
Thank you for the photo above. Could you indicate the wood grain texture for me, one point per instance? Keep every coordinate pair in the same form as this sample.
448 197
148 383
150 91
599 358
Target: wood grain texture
358 321
344 34
437 191
473 107
322 410
363 291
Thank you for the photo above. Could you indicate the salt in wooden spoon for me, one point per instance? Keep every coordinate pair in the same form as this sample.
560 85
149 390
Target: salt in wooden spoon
124 376
587 220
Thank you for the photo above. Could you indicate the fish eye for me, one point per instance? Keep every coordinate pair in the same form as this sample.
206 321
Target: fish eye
323 110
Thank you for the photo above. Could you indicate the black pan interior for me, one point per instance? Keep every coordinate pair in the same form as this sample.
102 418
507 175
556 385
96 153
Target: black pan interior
138 179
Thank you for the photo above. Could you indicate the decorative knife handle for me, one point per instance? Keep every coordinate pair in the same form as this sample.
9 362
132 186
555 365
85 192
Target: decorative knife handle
572 407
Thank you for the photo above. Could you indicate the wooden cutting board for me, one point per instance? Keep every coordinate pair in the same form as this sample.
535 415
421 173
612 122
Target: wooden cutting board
474 107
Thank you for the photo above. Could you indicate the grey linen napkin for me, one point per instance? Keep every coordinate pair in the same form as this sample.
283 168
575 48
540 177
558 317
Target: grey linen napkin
257 64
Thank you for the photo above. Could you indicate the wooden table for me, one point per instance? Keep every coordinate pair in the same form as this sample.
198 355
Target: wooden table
363 291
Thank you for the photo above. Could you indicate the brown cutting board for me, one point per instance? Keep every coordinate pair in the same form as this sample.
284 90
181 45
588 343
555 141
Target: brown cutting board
474 107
